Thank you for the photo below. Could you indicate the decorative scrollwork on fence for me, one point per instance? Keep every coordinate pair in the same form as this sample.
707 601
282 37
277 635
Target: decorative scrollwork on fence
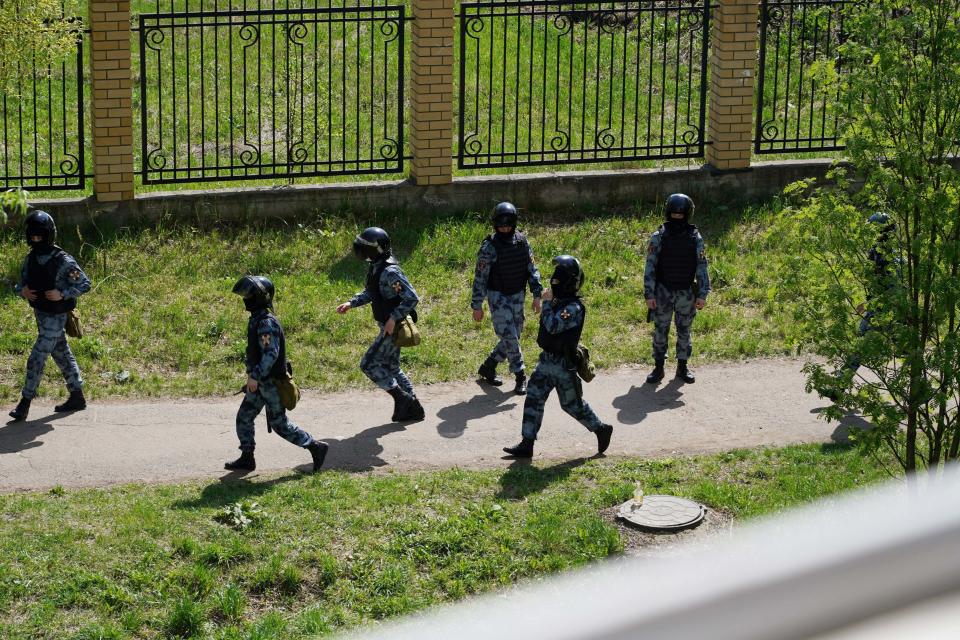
389 150
391 30
560 141
296 33
70 165
154 38
157 159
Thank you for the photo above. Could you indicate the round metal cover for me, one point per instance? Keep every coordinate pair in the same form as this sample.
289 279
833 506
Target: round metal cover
663 513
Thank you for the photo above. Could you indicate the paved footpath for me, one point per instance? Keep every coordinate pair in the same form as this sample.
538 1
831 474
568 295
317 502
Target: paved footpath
742 404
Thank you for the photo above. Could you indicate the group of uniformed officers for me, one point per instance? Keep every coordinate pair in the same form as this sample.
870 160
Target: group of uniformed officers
676 285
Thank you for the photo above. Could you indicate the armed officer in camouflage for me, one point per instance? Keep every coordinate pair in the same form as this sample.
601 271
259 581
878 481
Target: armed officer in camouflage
51 281
675 284
505 267
266 361
392 298
561 323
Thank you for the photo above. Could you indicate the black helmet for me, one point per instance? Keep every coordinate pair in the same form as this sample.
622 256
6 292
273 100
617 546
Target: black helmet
372 244
567 277
679 203
256 291
504 215
40 223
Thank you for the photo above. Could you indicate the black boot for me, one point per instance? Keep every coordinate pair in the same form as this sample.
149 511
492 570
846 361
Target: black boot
522 450
656 375
244 463
319 451
20 412
603 437
406 407
76 402
488 371
415 412
683 373
521 388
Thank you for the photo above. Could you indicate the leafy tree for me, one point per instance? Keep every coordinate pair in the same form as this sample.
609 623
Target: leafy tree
901 116
34 36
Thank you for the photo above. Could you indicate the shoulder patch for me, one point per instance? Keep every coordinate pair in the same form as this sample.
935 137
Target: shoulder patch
74 275
651 248
398 286
481 264
565 314
265 340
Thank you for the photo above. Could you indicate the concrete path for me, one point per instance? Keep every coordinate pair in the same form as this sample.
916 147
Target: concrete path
742 404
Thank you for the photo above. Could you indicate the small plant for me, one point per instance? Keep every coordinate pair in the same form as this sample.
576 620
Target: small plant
186 619
230 604
240 515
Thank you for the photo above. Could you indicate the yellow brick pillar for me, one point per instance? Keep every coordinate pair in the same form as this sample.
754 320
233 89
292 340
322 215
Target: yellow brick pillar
431 131
111 106
733 63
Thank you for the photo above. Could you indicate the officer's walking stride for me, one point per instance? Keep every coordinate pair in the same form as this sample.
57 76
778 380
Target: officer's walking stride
675 284
561 323
51 281
505 267
392 298
266 361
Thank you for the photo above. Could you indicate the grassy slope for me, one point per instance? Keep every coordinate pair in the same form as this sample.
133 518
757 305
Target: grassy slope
336 550
162 309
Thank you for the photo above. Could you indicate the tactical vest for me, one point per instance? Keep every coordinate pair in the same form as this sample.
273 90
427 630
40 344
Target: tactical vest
43 277
255 349
677 262
382 307
510 272
565 342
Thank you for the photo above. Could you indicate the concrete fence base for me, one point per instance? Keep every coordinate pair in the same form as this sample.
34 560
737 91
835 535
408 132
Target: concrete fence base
569 192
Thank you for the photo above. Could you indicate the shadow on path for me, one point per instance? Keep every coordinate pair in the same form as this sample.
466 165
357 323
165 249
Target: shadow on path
522 478
360 452
19 436
641 401
454 418
849 423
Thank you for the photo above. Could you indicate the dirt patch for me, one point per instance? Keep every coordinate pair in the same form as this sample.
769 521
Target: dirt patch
716 527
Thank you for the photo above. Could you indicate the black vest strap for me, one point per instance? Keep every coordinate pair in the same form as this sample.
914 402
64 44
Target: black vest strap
509 273
43 277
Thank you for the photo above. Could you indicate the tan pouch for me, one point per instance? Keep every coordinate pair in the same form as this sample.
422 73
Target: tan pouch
73 324
406 333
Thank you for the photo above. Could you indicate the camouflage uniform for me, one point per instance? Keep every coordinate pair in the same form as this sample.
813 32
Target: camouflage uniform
72 282
269 333
554 372
381 362
678 305
506 310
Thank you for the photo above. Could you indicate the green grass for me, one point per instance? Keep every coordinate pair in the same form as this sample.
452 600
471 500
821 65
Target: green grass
335 550
161 307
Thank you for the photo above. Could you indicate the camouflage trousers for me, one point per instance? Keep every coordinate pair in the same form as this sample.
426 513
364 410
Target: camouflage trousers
277 420
507 315
51 341
679 306
551 373
381 363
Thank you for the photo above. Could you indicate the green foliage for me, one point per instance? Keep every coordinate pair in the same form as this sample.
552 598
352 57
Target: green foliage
13 202
241 515
34 37
902 127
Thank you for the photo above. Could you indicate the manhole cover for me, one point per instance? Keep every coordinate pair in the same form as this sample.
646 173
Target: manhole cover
663 513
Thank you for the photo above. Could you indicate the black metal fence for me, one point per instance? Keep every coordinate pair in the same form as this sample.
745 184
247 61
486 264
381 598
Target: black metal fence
553 82
244 94
795 111
42 141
